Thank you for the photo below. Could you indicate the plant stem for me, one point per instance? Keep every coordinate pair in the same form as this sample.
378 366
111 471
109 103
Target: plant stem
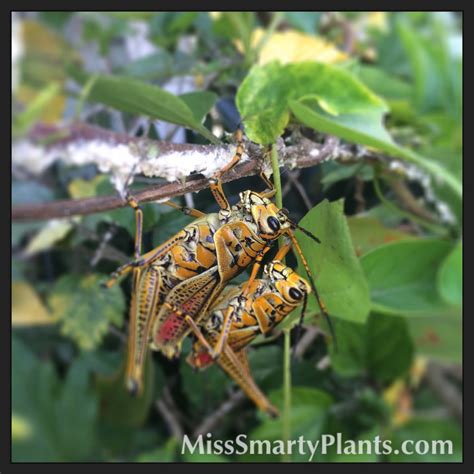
286 390
276 177
436 229
286 415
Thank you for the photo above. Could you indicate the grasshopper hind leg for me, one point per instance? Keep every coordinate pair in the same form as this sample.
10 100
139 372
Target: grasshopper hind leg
237 367
143 309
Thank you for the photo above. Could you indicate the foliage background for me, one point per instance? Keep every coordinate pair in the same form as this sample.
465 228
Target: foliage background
397 298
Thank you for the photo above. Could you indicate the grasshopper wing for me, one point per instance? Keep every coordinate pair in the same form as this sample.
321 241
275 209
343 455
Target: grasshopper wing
192 298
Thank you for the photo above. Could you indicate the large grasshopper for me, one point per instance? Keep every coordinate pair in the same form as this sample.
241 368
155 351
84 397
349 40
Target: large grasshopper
268 301
174 284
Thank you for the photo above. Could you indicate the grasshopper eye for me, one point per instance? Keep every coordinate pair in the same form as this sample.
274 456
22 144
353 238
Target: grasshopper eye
273 223
295 294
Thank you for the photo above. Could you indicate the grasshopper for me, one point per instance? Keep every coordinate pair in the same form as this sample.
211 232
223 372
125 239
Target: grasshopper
268 301
174 284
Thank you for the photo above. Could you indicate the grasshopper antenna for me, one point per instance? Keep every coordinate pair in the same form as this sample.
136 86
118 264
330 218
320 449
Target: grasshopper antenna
305 231
299 326
321 304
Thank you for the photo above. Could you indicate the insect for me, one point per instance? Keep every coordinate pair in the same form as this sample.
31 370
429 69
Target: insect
268 301
174 284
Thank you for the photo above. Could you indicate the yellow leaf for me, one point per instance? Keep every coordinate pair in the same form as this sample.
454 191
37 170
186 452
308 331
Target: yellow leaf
398 396
54 111
21 428
377 20
293 46
51 233
82 188
418 370
41 41
27 308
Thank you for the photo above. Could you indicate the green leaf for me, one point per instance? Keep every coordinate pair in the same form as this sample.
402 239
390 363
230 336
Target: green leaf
450 277
402 275
304 21
265 96
84 309
369 232
427 74
32 113
382 348
426 431
57 420
137 97
335 267
200 103
205 389
118 407
309 412
438 336
386 85
166 453
153 66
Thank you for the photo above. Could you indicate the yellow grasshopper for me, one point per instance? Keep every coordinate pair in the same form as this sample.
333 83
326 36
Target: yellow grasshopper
267 302
174 284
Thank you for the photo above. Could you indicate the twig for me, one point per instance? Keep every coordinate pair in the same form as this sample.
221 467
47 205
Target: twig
209 423
311 333
301 155
293 178
99 254
170 415
118 334
444 389
409 201
359 194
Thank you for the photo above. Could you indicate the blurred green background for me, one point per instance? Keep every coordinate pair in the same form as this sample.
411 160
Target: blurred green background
382 75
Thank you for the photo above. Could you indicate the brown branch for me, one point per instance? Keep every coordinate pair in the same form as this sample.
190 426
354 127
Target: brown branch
409 201
170 414
302 155
445 390
209 423
312 332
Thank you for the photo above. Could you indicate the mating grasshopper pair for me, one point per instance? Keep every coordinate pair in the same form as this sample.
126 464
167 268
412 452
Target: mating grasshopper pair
175 285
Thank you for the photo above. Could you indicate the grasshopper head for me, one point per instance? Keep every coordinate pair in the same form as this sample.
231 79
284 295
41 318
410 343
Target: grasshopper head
271 221
292 288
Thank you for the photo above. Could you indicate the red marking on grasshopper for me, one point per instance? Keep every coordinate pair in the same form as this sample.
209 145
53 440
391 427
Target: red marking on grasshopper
169 328
203 360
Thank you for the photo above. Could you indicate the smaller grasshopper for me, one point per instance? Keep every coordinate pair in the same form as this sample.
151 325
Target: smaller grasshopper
267 302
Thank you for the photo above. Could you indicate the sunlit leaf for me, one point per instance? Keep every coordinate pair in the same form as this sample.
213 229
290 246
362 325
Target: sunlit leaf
140 98
293 46
54 231
84 309
333 262
27 308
